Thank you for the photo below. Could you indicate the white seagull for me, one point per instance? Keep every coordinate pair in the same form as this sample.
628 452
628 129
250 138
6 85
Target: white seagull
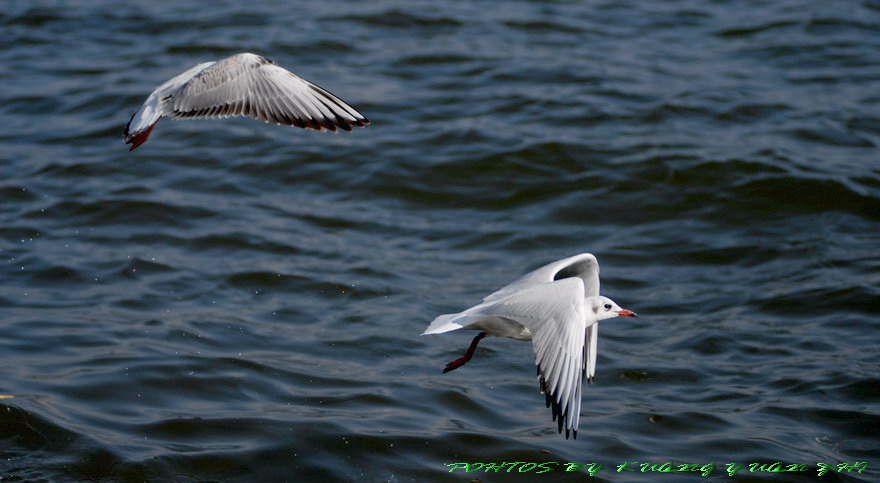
242 85
558 308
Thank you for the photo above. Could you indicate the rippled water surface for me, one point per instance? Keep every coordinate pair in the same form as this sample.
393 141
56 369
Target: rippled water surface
237 301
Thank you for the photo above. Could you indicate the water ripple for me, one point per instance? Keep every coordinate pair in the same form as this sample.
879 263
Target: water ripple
240 301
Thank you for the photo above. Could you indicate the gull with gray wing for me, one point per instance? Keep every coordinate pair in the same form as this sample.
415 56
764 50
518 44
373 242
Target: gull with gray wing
558 308
242 85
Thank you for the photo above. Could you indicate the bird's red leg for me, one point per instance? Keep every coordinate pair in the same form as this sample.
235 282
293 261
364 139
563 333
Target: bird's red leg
467 355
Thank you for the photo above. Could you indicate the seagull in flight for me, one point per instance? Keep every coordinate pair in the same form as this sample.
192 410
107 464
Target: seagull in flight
558 308
242 85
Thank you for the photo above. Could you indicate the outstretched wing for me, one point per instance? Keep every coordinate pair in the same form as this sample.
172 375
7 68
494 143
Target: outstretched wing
556 316
253 86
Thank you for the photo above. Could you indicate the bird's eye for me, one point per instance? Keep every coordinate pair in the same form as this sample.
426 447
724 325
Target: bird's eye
607 306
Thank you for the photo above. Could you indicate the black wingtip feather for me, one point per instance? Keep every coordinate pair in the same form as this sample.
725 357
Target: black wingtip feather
128 125
556 411
330 100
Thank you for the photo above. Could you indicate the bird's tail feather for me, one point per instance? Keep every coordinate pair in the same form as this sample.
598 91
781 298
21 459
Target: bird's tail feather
443 323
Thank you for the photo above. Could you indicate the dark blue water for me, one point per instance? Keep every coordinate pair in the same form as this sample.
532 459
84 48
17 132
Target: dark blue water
237 301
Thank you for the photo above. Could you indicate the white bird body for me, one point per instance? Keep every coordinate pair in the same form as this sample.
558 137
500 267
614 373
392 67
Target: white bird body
558 308
242 85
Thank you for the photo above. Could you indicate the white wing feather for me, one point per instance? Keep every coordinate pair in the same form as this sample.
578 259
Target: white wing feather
584 266
556 316
591 350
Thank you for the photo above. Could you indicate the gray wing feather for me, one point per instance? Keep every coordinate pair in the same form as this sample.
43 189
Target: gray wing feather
583 266
253 86
556 316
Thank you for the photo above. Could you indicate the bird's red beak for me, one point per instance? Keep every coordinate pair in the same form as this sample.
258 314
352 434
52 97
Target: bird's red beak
627 313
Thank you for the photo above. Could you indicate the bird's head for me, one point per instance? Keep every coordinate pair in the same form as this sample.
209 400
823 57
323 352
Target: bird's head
605 308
